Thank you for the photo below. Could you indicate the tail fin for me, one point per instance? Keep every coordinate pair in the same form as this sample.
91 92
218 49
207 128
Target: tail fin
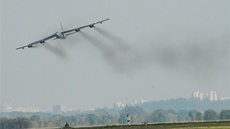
61 26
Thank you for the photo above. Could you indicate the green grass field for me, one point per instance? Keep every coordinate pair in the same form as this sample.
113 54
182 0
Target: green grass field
185 125
216 127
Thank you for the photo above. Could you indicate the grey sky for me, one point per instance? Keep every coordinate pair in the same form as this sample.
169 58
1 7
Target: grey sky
148 49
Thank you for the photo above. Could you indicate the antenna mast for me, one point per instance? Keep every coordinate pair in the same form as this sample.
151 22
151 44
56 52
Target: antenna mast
127 113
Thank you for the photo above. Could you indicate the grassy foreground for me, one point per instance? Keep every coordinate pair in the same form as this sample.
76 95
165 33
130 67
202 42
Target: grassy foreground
185 125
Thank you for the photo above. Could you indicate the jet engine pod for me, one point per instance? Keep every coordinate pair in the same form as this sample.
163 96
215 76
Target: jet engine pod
42 41
30 45
91 26
77 30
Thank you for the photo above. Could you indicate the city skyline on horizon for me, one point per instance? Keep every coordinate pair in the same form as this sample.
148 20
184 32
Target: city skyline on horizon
117 104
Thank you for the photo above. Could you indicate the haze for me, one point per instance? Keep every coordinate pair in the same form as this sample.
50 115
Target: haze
152 50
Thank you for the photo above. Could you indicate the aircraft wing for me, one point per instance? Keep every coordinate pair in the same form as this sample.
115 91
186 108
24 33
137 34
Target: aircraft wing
22 47
36 42
49 37
72 31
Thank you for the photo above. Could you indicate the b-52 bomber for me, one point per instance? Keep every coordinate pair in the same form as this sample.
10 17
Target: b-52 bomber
62 34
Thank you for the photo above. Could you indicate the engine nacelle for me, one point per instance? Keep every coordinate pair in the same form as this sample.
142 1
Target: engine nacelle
42 41
91 26
30 45
77 30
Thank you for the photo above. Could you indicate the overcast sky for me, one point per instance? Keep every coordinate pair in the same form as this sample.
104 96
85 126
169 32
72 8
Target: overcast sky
151 49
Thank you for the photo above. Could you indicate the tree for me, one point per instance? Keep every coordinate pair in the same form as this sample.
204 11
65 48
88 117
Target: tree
171 111
171 117
190 116
199 116
224 114
17 123
158 115
122 119
57 120
136 111
106 119
210 115
92 119
35 118
182 115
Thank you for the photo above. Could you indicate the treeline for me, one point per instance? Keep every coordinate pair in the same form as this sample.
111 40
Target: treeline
102 117
16 123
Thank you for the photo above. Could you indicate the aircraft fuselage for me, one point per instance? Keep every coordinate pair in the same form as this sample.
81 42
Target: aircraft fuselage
60 35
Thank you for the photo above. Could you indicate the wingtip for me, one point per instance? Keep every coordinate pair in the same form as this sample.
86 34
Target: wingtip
107 19
19 48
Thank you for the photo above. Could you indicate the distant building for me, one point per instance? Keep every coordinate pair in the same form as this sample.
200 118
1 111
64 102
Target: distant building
141 101
119 104
212 96
225 98
61 108
7 107
27 109
197 95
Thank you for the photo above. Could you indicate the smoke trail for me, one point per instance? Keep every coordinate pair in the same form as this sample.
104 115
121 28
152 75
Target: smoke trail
116 41
111 37
55 50
95 41
130 56
119 57
190 56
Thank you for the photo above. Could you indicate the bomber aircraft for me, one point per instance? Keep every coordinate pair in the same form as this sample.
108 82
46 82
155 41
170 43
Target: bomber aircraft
62 34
